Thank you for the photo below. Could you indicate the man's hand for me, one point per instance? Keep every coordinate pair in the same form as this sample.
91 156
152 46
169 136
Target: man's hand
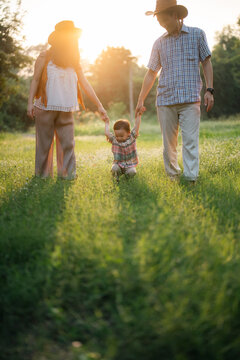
140 109
208 75
103 113
146 87
208 101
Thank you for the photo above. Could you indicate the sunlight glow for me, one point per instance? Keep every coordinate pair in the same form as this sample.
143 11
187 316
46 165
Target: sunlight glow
120 23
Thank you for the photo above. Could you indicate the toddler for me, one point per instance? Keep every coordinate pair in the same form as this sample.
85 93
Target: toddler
123 146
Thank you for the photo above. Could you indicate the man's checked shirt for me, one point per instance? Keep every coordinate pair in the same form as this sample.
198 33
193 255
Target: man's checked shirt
179 58
125 153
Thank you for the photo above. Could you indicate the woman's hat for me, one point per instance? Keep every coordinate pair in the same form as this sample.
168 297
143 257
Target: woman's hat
62 28
163 5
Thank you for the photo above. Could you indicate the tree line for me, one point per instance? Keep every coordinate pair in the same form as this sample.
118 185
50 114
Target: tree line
109 75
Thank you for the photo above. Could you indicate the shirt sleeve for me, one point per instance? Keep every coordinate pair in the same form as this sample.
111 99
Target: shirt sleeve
204 50
154 61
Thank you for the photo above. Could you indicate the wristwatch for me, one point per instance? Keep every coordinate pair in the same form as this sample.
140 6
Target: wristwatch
211 90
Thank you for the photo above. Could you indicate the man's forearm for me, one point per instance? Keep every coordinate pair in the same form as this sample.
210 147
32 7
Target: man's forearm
208 72
148 82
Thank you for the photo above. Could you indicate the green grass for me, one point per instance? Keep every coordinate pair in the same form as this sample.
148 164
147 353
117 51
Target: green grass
144 270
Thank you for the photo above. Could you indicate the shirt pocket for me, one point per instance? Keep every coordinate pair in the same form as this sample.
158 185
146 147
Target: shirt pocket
192 55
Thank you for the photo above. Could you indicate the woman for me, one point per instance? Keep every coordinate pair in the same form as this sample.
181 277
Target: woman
56 89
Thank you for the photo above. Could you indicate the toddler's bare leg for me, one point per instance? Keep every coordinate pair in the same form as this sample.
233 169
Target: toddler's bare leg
116 171
131 172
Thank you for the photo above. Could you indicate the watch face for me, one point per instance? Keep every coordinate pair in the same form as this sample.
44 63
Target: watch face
210 90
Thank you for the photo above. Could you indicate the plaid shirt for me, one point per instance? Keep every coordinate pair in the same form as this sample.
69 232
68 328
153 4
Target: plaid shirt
125 153
179 58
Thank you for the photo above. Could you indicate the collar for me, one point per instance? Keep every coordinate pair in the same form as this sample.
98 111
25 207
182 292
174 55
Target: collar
184 29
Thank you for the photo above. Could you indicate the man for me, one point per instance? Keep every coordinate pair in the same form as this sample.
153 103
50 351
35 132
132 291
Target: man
178 53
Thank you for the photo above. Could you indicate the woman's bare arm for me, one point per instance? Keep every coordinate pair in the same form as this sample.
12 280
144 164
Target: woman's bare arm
38 69
87 88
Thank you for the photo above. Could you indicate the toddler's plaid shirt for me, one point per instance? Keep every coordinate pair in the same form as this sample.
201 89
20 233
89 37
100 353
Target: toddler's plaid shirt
125 153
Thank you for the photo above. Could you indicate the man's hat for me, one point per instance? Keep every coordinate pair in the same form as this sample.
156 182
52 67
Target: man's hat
62 28
163 5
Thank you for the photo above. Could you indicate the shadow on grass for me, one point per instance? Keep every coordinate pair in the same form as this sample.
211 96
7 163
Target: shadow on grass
28 220
138 210
138 207
220 199
175 271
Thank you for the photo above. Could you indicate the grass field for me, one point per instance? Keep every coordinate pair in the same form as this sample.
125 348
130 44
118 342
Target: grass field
144 270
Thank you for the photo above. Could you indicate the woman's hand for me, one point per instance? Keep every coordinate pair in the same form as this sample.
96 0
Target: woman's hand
30 110
103 113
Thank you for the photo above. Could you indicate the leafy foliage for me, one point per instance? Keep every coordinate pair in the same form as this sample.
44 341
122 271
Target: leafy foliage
110 78
111 75
226 65
13 114
12 57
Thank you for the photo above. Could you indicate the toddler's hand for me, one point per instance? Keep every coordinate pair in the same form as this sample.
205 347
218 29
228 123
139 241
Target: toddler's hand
103 113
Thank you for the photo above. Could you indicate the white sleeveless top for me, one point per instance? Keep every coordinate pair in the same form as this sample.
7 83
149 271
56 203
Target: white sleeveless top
61 89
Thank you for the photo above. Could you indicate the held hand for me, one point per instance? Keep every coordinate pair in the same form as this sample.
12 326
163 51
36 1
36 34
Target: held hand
103 113
30 111
208 101
140 109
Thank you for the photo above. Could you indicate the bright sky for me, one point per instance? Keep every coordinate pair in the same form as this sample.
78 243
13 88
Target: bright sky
120 22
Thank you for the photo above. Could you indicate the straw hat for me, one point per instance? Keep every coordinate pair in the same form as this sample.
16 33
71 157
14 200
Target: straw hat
64 28
163 5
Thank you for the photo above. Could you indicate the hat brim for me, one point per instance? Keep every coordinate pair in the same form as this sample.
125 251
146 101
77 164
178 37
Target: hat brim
182 11
76 32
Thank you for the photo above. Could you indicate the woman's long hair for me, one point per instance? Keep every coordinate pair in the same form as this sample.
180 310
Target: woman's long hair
65 52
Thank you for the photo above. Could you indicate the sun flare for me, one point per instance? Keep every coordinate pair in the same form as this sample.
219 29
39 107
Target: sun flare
112 23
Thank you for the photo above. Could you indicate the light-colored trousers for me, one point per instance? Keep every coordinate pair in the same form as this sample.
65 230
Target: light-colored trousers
118 171
187 116
61 124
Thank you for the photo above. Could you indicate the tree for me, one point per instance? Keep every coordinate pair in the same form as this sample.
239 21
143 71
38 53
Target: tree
110 77
226 65
12 57
110 74
13 115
